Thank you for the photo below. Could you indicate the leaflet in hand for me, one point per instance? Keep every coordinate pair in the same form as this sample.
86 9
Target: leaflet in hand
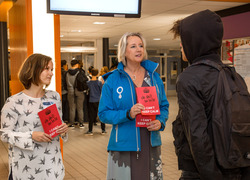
50 120
143 120
147 96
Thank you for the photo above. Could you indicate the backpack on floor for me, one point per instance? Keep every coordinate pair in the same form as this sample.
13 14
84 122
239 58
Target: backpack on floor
230 118
81 81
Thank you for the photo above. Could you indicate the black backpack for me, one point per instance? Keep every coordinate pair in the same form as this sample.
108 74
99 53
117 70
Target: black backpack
230 118
81 81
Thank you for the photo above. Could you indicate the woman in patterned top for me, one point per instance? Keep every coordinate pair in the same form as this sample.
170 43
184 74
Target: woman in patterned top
33 154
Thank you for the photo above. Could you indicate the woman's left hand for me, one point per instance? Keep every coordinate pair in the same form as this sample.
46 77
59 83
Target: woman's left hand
62 129
154 125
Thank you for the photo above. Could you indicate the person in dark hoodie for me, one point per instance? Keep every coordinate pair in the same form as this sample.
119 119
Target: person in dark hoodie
201 38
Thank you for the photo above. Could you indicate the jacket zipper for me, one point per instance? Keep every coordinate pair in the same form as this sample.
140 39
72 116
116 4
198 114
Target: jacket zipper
116 134
158 92
137 144
137 155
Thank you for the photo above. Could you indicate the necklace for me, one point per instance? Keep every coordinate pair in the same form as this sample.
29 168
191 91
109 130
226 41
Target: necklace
134 77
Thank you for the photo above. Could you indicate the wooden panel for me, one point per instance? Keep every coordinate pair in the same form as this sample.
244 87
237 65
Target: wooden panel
21 45
18 43
4 8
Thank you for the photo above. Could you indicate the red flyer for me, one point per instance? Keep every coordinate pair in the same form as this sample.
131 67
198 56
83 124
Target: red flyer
50 120
143 120
147 97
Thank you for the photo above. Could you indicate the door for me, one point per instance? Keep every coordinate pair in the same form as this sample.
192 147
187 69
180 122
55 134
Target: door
173 70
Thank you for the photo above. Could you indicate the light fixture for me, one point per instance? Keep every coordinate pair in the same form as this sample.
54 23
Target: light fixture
61 35
81 49
157 39
99 23
76 30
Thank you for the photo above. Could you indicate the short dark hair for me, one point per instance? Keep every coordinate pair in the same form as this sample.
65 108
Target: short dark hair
176 29
90 68
94 72
31 69
63 62
74 62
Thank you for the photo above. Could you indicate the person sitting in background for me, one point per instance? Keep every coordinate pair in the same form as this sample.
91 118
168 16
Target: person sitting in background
95 89
33 154
103 71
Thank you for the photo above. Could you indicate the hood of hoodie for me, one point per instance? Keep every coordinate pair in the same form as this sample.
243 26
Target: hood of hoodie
201 35
72 72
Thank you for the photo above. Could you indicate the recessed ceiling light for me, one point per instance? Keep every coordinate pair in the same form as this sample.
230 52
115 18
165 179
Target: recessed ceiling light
98 22
76 30
157 39
61 35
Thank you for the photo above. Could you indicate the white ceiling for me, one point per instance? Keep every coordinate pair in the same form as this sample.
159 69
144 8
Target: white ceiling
157 17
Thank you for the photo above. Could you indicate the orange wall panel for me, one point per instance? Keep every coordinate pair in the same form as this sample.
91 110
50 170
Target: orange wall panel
57 53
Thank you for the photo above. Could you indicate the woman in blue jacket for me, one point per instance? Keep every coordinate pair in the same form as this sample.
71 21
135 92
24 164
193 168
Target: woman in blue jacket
134 152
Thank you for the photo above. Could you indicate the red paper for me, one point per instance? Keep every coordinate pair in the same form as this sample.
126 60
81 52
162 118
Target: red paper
50 120
143 120
147 96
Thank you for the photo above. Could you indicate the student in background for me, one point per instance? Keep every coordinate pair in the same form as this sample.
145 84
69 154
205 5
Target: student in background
89 72
33 154
75 96
103 71
65 104
95 89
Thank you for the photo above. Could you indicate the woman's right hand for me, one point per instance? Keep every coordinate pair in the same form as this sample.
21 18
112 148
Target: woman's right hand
136 109
41 136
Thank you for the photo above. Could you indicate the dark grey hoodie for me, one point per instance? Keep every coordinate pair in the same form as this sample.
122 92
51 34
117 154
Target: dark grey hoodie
70 79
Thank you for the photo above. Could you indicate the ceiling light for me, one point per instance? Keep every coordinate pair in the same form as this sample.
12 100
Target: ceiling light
116 45
76 31
157 39
61 35
98 22
81 49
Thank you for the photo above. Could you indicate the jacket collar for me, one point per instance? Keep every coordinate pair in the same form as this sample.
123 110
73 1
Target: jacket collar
150 66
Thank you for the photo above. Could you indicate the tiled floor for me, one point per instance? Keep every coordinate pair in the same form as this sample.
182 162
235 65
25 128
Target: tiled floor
85 157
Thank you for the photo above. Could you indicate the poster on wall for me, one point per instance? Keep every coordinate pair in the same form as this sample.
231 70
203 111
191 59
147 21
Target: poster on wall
227 52
242 57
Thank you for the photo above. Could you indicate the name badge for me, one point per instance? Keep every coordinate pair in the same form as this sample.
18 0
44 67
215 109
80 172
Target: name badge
47 103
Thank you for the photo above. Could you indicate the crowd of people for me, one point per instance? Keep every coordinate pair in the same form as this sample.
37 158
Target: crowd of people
81 92
134 152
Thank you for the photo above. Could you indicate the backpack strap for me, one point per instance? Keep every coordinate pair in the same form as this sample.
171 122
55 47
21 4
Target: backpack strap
210 63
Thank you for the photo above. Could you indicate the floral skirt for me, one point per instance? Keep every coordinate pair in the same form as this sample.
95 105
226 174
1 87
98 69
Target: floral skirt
143 165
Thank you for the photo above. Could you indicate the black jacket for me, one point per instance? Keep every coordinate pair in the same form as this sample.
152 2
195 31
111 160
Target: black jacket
201 37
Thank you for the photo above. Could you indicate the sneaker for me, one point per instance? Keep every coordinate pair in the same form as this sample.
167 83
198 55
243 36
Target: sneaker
71 126
103 132
90 133
81 125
